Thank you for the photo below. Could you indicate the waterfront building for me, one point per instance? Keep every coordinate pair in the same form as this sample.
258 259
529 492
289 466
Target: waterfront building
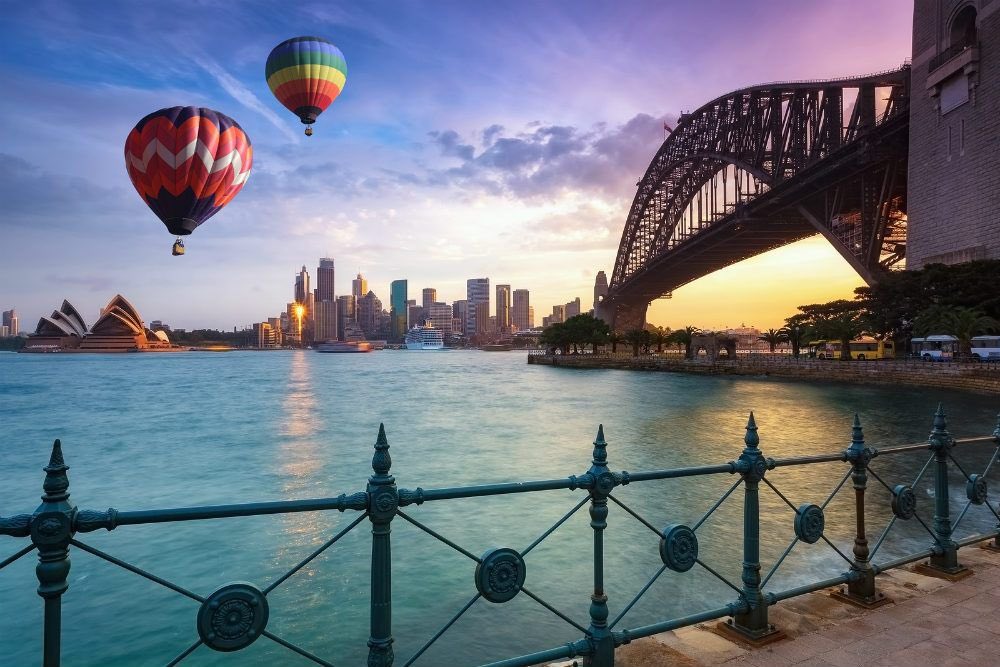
439 316
477 292
276 326
600 288
11 321
430 295
531 317
369 313
952 196
460 312
63 329
398 324
118 329
503 309
480 316
520 311
327 321
558 315
345 313
571 309
264 336
359 288
415 315
325 280
4 331
302 285
283 322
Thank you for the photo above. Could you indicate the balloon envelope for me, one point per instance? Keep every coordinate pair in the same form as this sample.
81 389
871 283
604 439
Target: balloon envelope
306 74
187 163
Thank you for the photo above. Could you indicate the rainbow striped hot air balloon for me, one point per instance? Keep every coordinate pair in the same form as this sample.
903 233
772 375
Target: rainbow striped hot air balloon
187 163
306 74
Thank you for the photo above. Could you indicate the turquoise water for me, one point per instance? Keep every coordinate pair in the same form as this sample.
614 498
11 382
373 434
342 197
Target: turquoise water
151 431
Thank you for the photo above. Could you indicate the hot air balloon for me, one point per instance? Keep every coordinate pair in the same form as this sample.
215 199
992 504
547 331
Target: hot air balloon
306 74
187 163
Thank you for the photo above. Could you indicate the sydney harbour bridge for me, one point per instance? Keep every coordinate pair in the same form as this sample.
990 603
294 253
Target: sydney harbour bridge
760 168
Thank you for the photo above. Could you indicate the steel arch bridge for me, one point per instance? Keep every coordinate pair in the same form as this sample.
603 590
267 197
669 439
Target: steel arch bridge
762 167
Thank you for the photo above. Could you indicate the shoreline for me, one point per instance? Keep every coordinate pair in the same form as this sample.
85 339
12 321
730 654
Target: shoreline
983 378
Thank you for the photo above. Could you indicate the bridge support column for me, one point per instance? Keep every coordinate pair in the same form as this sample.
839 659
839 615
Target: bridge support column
620 316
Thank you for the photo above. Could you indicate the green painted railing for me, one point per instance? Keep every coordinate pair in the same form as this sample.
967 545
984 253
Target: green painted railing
236 615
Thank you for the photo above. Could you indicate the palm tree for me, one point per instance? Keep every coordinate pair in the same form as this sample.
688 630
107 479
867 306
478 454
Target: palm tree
797 335
684 337
635 338
772 337
659 337
959 321
614 339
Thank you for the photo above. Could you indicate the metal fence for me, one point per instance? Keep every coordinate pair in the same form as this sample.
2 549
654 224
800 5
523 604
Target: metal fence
236 614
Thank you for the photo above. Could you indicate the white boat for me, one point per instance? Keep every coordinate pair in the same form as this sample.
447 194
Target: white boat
424 338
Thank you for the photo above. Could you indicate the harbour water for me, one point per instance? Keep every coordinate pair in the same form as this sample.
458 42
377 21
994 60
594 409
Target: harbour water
145 431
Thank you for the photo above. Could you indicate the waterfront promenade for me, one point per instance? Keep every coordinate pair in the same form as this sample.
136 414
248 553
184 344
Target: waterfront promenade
932 621
978 377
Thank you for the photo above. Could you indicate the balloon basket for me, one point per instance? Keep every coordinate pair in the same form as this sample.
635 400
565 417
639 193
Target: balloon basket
178 248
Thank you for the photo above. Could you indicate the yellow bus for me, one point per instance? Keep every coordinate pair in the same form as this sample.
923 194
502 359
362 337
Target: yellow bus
861 348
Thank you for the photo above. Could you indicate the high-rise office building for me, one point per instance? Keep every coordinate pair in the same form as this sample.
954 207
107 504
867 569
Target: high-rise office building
327 321
439 316
302 285
11 322
519 313
482 318
324 280
369 309
558 314
345 313
397 310
503 308
460 312
572 309
430 296
415 315
477 291
531 317
276 327
359 288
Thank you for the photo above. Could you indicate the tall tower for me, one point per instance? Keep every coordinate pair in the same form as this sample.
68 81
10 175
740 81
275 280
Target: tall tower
952 196
600 288
521 309
430 296
503 308
477 291
397 310
324 280
11 322
301 285
359 288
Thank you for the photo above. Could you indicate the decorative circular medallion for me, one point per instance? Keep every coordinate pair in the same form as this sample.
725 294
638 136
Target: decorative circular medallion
904 501
386 502
760 466
605 483
679 547
50 528
809 523
975 489
232 617
500 574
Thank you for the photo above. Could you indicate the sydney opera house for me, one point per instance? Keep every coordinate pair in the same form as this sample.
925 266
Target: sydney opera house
119 329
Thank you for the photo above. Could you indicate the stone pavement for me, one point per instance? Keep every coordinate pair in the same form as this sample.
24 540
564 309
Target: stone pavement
932 622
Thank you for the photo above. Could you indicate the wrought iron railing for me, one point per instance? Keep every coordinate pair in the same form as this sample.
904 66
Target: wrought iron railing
236 614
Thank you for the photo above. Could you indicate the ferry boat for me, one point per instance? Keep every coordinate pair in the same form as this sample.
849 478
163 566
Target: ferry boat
424 338
340 346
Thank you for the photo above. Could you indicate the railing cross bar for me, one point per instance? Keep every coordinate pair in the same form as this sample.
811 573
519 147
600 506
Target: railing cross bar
326 545
777 563
10 559
638 595
717 504
137 570
657 531
556 525
555 611
185 653
719 576
444 628
440 537
295 649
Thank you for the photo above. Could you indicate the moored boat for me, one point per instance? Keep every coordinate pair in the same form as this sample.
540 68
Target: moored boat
424 338
340 346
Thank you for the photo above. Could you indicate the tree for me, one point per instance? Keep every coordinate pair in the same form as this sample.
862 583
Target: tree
958 321
614 339
772 337
797 333
683 338
839 320
660 336
635 338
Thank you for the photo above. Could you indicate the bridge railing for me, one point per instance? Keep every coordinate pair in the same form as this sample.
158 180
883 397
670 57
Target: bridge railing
236 614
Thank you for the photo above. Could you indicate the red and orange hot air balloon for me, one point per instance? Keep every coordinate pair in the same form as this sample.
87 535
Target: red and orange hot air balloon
306 74
187 163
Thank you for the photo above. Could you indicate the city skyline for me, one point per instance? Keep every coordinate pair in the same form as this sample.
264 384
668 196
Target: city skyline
449 154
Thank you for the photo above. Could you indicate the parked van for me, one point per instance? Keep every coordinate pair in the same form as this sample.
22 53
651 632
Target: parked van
986 348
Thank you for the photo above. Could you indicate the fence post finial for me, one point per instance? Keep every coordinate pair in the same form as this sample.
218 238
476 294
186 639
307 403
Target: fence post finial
383 501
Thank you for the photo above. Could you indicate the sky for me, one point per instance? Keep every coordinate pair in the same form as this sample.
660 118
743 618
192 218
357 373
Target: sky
471 139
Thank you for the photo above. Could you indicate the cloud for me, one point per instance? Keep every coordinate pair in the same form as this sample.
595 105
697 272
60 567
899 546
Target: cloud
244 95
546 160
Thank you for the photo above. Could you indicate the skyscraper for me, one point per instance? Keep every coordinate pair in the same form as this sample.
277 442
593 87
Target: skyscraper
503 308
327 321
11 322
324 280
460 312
369 309
477 291
430 296
301 285
572 309
359 288
519 316
397 310
345 313
439 315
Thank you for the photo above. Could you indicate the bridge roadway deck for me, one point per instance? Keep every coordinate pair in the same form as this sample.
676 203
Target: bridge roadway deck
931 622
